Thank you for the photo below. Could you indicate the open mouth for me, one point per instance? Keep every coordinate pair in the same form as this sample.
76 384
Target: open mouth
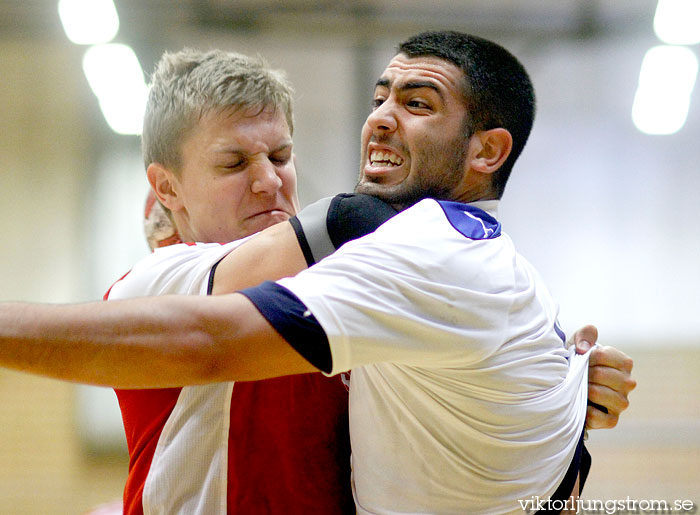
384 158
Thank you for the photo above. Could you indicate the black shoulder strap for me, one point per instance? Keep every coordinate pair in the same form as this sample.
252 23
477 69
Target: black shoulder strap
324 226
312 232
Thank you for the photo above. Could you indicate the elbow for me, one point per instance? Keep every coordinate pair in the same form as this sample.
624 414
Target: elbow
218 340
193 352
217 349
201 359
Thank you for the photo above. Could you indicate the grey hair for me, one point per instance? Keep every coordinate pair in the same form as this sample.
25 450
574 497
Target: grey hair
189 84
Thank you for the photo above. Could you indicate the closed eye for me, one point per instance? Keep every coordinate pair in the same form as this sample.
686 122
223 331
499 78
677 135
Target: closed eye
281 156
234 165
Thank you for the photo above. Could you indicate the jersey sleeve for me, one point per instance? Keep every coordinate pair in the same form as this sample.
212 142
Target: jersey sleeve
327 224
293 321
175 269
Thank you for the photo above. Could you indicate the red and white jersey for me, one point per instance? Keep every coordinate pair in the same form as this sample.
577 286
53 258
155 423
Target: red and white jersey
273 446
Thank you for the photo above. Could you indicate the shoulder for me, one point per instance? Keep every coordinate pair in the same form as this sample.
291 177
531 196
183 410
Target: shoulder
437 219
329 223
176 269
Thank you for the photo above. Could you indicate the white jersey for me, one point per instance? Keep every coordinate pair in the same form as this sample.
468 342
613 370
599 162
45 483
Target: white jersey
188 472
182 269
463 395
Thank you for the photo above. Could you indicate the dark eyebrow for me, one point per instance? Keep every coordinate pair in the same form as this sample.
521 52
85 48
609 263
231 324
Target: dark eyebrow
422 84
385 83
382 82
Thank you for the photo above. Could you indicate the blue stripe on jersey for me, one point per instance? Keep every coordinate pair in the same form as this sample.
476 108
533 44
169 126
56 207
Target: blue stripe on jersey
559 331
470 221
293 321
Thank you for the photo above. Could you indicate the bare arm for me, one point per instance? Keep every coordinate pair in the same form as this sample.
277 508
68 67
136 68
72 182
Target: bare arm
173 341
147 342
163 341
271 255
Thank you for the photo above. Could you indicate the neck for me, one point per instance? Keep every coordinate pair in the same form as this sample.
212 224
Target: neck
474 193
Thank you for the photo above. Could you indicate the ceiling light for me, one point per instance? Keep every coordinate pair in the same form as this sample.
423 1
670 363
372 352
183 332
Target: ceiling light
89 22
677 22
115 76
666 81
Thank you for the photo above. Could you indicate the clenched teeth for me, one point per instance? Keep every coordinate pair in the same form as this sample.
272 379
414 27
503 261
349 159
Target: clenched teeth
385 158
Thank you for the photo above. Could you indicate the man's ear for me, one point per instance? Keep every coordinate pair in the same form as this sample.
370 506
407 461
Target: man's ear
489 149
165 186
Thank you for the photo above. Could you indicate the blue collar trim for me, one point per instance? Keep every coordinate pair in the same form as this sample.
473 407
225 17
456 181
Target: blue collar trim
470 221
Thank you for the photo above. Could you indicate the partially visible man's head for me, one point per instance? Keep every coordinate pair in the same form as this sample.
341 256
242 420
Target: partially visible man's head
444 98
497 89
189 84
217 144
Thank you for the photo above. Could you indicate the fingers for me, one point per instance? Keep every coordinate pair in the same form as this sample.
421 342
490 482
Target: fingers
596 419
614 373
585 338
609 384
614 358
614 401
609 379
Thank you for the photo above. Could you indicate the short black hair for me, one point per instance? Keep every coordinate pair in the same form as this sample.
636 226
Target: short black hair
497 89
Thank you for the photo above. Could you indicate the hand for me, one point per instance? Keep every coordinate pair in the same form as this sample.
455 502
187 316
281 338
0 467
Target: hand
609 380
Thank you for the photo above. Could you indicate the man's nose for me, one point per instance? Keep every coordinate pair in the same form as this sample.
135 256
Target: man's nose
383 117
264 177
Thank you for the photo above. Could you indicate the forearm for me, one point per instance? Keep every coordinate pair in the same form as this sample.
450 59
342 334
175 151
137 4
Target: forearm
148 342
271 255
176 341
98 343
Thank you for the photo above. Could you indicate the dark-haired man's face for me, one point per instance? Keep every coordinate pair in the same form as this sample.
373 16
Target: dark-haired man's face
413 142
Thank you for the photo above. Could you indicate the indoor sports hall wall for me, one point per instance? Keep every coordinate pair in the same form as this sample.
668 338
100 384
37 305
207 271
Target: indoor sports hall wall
609 216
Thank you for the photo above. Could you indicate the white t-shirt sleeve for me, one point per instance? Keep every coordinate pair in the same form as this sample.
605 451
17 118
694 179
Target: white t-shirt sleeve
176 269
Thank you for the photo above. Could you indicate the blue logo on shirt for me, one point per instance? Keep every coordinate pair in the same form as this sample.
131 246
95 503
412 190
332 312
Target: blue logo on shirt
472 222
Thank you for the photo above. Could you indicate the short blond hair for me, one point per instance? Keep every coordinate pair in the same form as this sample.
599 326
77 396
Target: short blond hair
189 84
